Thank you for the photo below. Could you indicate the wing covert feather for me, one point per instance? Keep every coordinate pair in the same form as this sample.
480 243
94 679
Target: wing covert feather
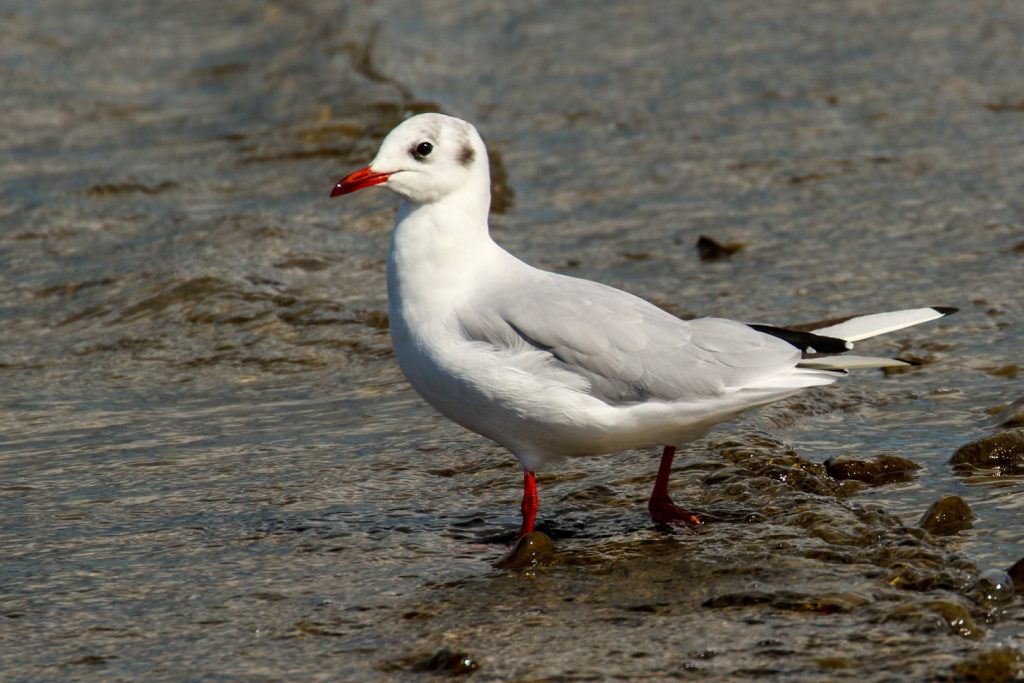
627 349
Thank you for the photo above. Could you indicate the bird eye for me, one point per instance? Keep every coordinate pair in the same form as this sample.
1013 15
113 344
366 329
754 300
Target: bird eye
422 150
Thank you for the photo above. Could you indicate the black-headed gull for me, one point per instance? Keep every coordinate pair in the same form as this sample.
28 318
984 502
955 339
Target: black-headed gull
549 365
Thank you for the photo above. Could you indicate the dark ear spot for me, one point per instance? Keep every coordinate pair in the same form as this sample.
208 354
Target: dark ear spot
466 155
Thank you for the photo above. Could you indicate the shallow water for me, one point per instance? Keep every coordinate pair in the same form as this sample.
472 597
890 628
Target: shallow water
214 470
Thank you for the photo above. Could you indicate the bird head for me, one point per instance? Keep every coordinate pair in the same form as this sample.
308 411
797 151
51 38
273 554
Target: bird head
424 159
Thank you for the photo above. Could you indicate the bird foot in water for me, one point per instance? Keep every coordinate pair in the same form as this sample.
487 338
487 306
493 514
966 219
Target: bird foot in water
666 512
532 550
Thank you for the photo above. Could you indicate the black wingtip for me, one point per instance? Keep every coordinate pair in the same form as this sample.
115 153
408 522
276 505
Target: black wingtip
808 342
945 310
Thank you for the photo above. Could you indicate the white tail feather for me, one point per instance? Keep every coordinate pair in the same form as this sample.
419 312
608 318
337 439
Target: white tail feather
866 326
847 362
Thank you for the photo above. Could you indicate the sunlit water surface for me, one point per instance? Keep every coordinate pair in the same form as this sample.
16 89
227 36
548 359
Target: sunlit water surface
213 470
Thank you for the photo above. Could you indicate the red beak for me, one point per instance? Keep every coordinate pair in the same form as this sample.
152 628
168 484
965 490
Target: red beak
357 180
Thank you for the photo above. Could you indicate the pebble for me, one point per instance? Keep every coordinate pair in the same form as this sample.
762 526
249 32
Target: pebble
444 661
947 516
1017 575
1012 415
533 549
998 665
992 589
883 469
712 250
1003 452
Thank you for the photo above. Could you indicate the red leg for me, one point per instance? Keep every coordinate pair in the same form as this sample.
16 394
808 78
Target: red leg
663 510
530 502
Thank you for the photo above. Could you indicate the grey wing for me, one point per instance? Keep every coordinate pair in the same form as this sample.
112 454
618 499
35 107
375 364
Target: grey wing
626 349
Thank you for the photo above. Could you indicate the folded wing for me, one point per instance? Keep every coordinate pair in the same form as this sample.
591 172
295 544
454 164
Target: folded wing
625 349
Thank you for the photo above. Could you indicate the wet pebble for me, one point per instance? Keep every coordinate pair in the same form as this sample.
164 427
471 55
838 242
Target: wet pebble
788 600
1016 574
836 662
913 360
957 617
444 661
779 463
938 616
1010 416
992 589
947 516
883 469
712 250
531 550
1009 371
1003 452
991 666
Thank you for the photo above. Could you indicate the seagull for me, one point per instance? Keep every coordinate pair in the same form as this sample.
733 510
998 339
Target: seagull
549 365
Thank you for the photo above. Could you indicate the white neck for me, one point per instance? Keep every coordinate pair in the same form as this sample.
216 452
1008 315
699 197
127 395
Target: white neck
437 252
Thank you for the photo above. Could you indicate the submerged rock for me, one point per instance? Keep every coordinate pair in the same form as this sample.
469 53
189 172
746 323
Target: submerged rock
834 662
947 516
884 469
531 550
992 589
788 600
1008 371
444 661
957 617
712 250
1003 452
1010 416
935 616
1017 575
992 666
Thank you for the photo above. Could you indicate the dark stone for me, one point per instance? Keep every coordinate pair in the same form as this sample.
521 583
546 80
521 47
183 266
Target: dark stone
711 250
912 361
444 661
1003 452
992 590
935 616
1010 416
531 550
957 617
1004 106
992 666
94 660
786 600
884 469
947 516
1009 371
836 662
1016 573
